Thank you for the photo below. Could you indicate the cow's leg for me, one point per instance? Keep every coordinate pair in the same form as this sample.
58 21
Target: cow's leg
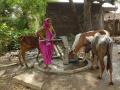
109 65
95 61
97 66
38 57
101 65
92 60
23 56
110 73
19 57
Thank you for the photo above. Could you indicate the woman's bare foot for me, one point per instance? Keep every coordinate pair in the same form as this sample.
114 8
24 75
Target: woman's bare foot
111 83
46 66
98 77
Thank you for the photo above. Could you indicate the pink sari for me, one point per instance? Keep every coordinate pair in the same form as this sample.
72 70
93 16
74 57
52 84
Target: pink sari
46 47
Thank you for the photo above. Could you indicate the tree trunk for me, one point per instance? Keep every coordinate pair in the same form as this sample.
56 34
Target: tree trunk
97 16
87 15
74 15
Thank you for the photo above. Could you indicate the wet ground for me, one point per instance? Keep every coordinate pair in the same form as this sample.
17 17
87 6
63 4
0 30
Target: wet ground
85 80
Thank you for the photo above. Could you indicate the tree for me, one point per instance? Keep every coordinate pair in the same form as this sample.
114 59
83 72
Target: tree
20 17
87 15
74 14
97 22
34 9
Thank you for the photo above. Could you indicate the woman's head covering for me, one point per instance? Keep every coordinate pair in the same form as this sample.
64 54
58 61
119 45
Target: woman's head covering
46 23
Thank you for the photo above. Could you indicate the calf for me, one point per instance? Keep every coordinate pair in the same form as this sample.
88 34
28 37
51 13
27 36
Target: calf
27 43
31 42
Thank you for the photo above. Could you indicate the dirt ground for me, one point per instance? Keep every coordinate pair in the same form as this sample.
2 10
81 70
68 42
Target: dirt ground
7 73
8 84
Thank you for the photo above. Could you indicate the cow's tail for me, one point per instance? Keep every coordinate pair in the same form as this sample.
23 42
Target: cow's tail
107 33
109 55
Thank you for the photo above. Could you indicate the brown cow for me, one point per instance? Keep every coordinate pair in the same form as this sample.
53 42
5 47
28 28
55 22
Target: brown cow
31 42
101 45
81 41
27 43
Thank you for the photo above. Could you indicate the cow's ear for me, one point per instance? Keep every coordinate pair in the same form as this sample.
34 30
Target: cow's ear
90 38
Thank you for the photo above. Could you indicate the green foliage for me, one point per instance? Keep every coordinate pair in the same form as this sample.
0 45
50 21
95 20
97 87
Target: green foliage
19 17
5 36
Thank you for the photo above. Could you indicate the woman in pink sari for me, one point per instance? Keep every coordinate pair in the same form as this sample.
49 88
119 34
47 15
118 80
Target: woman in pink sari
46 47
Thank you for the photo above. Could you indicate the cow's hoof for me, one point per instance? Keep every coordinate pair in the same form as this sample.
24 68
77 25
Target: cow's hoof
32 66
21 64
97 67
99 77
111 83
27 67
